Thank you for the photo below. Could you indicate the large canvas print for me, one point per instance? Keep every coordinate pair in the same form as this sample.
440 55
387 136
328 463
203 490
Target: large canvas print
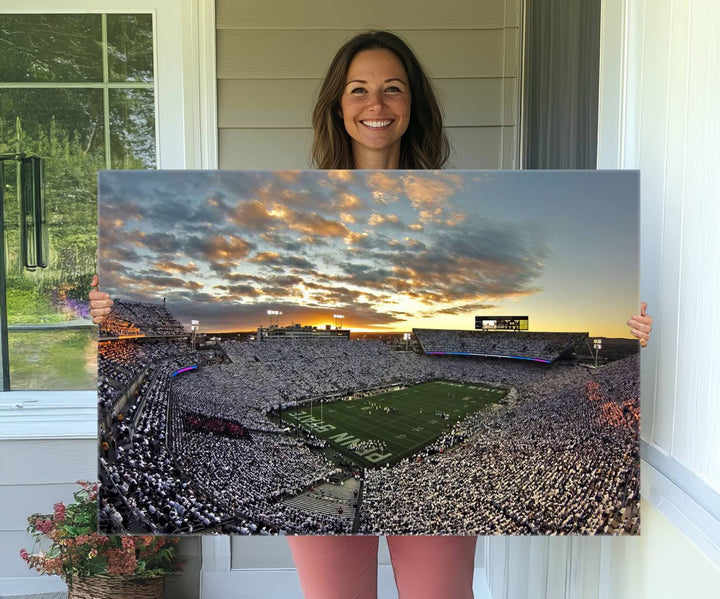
369 352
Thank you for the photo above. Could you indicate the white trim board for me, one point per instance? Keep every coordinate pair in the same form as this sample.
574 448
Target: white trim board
284 584
33 586
680 495
48 415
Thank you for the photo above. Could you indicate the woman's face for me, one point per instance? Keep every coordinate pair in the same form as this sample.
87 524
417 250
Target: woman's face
375 105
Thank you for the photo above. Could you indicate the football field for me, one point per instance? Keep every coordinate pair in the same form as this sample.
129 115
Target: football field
383 429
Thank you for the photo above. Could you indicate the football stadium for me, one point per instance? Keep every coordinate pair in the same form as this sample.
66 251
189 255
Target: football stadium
461 432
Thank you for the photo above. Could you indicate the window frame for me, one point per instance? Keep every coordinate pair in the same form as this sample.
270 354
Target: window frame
184 33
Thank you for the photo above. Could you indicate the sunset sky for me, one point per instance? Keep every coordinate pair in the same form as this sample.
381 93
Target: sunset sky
390 250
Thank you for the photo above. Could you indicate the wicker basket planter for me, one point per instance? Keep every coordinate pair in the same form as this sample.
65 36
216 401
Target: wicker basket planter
116 587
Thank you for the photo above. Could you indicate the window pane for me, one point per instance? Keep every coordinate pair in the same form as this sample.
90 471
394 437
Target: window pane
51 118
132 128
50 48
53 359
65 127
51 338
130 47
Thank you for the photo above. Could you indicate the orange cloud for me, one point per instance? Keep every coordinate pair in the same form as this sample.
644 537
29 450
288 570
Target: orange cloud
341 175
168 266
253 215
347 218
384 183
349 201
226 247
314 224
426 193
265 257
353 237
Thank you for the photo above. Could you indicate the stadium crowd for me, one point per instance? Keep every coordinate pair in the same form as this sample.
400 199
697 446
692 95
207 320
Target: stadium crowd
531 346
558 457
140 318
556 462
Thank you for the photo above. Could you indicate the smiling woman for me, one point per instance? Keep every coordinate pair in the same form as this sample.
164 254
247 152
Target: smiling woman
375 107
375 78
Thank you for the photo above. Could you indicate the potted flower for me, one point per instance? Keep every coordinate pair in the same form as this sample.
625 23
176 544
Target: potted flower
97 566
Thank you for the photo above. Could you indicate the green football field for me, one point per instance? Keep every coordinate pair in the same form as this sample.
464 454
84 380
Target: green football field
403 422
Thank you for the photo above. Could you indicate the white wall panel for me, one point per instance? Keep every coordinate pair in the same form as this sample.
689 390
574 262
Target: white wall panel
252 53
511 59
19 501
563 567
510 101
260 552
673 123
265 149
513 13
697 423
277 149
333 14
11 564
475 147
48 461
266 103
510 144
669 127
652 150
288 103
460 99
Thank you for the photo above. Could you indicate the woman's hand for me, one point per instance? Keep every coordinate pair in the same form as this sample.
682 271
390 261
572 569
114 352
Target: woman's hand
641 325
100 303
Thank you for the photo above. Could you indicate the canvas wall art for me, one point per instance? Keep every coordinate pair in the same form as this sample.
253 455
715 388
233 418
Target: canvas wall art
369 352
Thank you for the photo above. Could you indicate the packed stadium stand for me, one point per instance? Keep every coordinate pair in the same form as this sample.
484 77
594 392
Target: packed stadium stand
559 456
541 347
139 318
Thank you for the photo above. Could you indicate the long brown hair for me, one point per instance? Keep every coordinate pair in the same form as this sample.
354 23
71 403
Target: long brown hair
423 146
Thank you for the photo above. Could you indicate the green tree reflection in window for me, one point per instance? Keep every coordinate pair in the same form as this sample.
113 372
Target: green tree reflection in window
81 87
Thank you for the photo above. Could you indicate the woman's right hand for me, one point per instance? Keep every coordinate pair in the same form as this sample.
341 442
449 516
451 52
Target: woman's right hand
100 302
641 325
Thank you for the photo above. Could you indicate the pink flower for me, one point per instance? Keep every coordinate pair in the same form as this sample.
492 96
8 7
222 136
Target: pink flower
59 512
24 555
121 562
128 543
44 526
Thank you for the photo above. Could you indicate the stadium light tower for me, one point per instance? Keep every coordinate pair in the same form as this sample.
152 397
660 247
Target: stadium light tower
338 320
406 339
597 346
274 316
194 327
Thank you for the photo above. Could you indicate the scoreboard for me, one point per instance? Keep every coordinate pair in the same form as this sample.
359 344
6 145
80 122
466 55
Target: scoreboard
501 323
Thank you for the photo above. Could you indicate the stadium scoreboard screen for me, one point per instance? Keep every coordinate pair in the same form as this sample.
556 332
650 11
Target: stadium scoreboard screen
501 323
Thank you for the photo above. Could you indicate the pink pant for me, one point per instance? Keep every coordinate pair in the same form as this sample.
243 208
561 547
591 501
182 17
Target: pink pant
346 567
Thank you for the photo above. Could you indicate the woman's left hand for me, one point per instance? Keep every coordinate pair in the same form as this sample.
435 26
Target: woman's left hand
641 325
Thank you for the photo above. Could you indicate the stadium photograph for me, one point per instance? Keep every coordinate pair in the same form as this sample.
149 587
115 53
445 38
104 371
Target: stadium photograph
369 352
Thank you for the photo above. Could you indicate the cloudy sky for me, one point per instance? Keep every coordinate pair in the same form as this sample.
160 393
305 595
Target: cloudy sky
390 250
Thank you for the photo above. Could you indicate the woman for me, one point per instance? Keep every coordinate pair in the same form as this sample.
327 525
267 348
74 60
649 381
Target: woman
377 110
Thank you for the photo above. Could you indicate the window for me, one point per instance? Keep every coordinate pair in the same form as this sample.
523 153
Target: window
78 91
